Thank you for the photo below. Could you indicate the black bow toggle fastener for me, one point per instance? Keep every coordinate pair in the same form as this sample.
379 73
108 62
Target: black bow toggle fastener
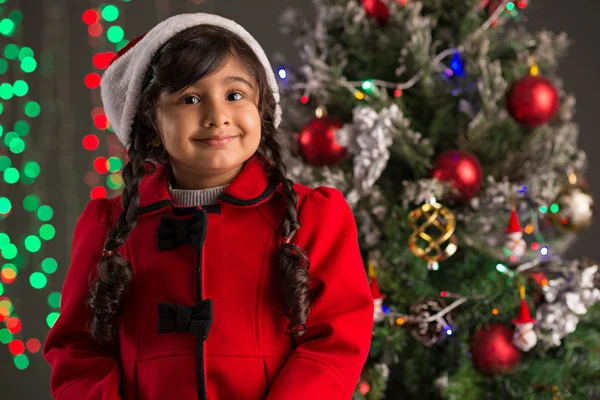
172 232
196 319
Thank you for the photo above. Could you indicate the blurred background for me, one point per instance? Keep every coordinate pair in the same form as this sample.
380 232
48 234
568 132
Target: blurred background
61 154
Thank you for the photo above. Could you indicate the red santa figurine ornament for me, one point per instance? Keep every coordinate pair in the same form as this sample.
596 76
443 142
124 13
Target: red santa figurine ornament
514 237
524 337
378 314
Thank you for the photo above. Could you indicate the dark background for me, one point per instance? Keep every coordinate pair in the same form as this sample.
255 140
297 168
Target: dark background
54 29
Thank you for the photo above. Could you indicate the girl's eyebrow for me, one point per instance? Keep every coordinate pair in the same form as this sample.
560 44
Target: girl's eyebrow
228 80
231 79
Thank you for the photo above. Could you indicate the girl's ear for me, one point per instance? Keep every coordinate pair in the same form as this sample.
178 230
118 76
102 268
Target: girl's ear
156 141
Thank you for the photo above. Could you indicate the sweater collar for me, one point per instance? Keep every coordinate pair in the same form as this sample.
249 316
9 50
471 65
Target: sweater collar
250 188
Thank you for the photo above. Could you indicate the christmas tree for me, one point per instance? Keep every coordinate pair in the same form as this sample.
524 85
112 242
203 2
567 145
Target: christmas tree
446 127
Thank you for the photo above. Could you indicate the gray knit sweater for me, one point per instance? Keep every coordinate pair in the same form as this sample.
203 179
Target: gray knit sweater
191 198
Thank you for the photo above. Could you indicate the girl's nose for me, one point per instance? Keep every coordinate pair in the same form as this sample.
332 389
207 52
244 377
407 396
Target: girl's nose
216 115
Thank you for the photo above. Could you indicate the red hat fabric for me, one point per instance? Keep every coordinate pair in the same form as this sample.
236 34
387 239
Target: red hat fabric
513 223
524 315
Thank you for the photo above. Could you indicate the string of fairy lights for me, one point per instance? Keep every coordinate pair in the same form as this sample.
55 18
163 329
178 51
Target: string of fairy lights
106 169
17 168
15 255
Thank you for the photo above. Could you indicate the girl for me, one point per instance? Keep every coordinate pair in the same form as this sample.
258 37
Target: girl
213 276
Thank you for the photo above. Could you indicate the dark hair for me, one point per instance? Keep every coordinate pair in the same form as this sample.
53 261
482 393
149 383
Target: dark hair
186 58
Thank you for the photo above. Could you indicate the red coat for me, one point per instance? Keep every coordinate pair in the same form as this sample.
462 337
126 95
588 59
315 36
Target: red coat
246 354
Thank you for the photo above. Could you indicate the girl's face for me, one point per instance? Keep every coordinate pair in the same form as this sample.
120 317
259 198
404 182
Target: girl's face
222 104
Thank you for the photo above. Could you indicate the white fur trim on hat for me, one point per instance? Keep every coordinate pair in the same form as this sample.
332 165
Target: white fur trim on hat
121 83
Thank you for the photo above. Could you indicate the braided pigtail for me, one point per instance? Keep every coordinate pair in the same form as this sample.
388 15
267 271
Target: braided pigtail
107 292
293 261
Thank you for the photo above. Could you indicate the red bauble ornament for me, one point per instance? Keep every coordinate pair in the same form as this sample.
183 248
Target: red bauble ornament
317 142
493 351
463 169
532 100
376 9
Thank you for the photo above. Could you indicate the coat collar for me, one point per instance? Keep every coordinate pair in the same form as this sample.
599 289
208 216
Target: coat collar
251 187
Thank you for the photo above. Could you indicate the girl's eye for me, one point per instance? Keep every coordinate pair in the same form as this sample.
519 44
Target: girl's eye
189 100
238 93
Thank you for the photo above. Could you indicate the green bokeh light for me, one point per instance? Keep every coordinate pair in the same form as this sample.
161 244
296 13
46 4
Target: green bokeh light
21 127
28 64
31 169
38 280
9 137
49 265
4 240
25 180
45 213
54 299
47 232
7 27
5 205
3 66
1 289
9 251
32 109
51 319
17 145
110 13
20 88
33 243
11 51
31 203
5 336
115 34
16 16
11 175
114 164
21 361
25 52
6 91
5 162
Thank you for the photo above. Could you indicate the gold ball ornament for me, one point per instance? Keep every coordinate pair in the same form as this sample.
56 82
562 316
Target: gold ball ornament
433 238
573 209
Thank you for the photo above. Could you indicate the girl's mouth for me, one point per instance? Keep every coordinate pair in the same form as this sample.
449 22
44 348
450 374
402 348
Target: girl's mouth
215 142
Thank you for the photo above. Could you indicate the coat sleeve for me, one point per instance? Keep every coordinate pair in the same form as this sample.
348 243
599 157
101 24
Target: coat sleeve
81 368
329 357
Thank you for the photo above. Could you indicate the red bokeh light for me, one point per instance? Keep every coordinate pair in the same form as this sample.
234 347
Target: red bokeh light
102 60
100 121
101 165
90 142
90 17
95 30
98 192
14 325
16 347
33 345
92 80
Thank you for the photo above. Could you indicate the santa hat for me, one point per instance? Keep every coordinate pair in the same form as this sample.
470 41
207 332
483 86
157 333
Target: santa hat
121 84
513 223
524 315
375 290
